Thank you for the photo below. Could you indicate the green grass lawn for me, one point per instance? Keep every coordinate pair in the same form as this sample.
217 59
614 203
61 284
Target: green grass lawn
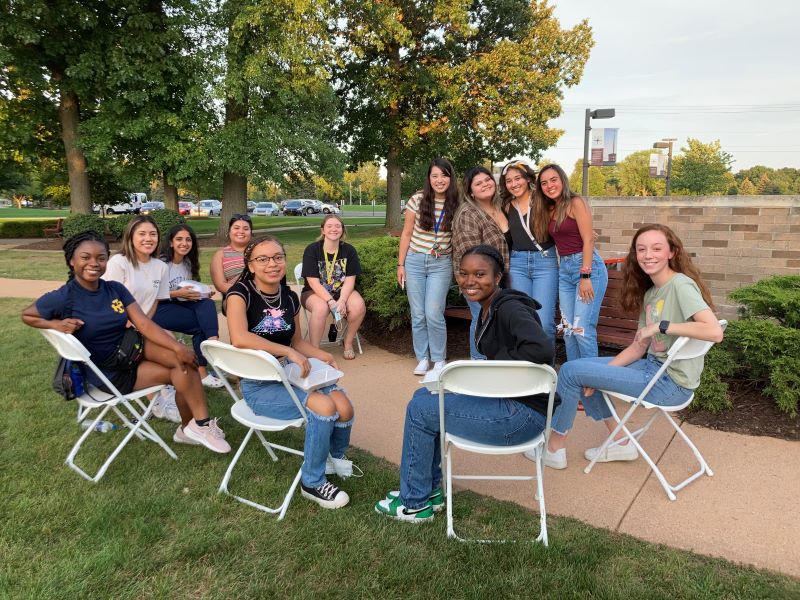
49 265
32 213
154 527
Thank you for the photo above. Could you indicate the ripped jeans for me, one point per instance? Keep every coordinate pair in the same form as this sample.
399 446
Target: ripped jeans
324 435
578 318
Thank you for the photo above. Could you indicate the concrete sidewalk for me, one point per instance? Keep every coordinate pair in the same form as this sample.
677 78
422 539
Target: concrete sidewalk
746 513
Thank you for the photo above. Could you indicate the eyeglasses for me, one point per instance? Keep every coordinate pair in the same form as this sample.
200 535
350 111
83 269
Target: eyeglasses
517 164
278 259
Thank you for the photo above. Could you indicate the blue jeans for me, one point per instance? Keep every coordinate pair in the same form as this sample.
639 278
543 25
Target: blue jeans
536 274
597 373
496 421
195 318
427 283
579 318
474 311
324 435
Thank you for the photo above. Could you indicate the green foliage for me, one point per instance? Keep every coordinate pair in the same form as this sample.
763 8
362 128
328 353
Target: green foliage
165 218
766 180
378 281
784 383
713 391
776 297
20 228
74 224
702 169
116 225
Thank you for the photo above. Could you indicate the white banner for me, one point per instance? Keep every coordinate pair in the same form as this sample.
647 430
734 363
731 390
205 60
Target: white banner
658 165
604 147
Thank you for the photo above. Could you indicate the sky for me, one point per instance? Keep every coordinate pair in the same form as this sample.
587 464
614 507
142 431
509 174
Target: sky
706 69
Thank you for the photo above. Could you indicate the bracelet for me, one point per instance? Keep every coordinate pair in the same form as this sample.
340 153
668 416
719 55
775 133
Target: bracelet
401 265
586 270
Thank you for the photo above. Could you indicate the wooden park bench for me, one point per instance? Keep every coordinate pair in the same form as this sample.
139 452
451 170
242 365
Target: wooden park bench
54 231
615 327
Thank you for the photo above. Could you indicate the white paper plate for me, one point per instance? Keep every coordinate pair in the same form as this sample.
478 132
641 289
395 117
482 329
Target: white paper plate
321 374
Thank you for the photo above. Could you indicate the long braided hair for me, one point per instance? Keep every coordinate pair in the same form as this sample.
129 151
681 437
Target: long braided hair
76 240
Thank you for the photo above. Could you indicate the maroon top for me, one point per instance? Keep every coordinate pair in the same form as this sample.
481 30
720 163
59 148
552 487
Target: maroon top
568 238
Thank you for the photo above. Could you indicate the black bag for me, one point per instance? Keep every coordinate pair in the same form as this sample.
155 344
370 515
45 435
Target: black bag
128 353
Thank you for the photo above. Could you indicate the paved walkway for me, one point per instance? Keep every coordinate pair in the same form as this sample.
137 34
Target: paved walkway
746 513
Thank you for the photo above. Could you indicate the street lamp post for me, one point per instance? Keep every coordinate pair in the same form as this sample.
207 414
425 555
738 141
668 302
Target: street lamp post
600 113
667 143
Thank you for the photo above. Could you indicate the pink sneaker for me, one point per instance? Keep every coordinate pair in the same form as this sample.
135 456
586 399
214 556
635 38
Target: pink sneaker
179 437
211 436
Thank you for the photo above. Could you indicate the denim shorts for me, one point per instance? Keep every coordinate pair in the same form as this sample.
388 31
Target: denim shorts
272 399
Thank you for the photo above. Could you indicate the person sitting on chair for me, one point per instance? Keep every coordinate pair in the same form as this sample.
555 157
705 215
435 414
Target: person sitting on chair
662 283
508 329
264 315
97 312
330 267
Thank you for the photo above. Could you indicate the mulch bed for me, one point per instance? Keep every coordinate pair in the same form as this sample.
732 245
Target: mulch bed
752 412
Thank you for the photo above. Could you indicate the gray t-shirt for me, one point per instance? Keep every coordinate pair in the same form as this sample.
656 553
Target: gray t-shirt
677 301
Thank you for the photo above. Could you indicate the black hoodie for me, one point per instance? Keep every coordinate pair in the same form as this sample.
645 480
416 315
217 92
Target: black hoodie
513 331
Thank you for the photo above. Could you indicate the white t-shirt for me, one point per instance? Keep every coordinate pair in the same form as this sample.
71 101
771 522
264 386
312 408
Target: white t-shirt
149 282
177 273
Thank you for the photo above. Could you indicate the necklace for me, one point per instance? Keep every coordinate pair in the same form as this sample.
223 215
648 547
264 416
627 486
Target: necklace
273 301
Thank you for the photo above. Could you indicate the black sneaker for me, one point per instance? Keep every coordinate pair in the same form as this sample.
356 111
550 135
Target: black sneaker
327 495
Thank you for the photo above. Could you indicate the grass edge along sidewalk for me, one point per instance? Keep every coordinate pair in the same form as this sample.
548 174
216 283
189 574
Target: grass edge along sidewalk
157 527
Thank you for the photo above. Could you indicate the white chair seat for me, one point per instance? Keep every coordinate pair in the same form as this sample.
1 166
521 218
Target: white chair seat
95 397
649 405
242 413
470 446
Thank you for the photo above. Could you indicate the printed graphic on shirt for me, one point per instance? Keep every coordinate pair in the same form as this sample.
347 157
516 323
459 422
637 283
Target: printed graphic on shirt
652 314
339 274
272 322
117 306
173 283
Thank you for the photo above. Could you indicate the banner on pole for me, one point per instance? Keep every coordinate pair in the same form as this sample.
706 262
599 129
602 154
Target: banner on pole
604 147
658 165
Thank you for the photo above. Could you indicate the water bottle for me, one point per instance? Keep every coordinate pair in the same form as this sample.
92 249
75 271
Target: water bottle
76 377
332 333
102 426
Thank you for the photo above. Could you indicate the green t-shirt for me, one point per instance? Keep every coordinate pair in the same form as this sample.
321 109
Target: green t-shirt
677 301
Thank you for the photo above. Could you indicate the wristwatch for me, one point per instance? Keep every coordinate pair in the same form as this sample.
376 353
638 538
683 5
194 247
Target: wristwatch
663 326
586 275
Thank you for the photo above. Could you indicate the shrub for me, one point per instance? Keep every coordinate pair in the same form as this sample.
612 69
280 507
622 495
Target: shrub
165 218
20 228
713 391
116 225
378 280
776 297
74 224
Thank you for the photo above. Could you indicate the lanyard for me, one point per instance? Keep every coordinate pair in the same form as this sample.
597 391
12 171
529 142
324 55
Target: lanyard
526 227
435 247
330 266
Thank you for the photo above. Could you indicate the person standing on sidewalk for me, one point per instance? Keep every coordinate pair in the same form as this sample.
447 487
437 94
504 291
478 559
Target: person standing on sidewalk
479 220
424 266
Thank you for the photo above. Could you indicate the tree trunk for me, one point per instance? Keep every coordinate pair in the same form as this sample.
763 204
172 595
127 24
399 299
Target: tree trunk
234 186
69 115
170 193
393 221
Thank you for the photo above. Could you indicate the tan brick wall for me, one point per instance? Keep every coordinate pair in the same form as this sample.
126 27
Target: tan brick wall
733 240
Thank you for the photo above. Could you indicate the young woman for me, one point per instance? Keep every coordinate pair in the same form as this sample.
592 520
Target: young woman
663 284
424 266
534 265
479 220
228 263
264 315
330 267
582 275
508 329
187 311
97 312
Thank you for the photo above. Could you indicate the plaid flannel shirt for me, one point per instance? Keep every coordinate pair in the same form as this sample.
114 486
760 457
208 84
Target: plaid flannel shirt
471 227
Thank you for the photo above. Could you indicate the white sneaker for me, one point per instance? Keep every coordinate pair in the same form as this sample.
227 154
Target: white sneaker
212 381
164 406
343 467
439 365
422 367
613 453
554 460
210 435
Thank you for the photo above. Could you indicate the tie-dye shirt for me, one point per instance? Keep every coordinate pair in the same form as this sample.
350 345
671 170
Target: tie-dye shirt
677 301
275 321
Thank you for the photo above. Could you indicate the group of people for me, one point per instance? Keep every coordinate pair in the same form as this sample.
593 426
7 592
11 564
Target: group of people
509 252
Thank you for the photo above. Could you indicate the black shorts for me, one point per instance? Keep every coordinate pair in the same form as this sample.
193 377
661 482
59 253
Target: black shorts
124 381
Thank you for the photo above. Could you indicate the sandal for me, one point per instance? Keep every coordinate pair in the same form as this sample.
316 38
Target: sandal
349 354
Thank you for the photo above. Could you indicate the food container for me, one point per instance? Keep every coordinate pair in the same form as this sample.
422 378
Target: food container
320 375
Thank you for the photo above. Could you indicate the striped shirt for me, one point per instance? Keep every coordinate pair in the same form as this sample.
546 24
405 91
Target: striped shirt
423 241
232 263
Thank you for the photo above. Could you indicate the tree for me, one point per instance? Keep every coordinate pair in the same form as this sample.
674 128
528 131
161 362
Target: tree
746 188
600 179
702 168
634 176
473 79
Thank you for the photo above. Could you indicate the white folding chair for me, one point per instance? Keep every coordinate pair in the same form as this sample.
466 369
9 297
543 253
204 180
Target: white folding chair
496 379
120 404
298 276
262 366
683 348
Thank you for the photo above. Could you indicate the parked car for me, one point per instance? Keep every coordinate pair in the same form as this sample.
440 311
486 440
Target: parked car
266 209
207 208
185 208
149 207
330 208
295 207
113 209
251 206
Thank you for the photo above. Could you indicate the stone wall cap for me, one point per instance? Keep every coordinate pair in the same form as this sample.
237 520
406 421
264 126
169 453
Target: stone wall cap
772 201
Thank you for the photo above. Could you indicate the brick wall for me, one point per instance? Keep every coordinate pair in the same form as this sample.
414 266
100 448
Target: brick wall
734 240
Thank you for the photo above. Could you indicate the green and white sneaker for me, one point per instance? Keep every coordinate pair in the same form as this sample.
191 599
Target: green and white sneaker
436 498
392 508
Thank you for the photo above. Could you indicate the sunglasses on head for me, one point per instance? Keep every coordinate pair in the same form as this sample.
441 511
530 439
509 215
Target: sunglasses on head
240 217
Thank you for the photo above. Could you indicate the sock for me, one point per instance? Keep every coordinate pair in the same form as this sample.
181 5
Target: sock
203 422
